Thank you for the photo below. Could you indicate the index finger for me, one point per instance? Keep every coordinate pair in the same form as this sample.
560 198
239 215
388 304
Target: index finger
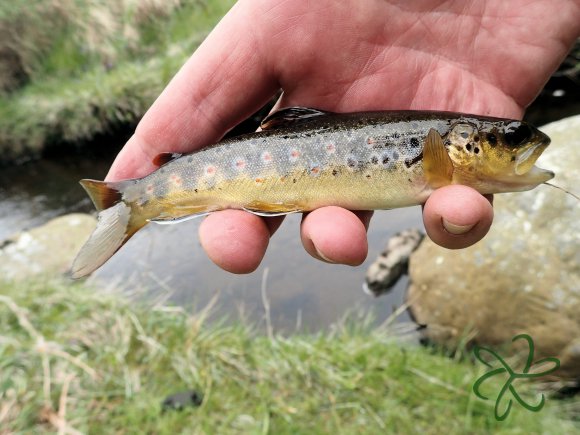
222 83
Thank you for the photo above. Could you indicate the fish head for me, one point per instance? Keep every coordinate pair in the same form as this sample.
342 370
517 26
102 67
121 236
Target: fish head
497 155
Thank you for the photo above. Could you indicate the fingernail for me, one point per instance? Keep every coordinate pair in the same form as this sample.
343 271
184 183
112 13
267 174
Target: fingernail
323 256
456 229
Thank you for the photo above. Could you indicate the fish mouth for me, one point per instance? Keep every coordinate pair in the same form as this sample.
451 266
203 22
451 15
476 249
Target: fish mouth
527 156
534 176
526 175
518 183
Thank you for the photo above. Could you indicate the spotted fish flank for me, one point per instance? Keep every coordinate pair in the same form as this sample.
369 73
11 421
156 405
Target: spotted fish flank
305 159
210 170
240 164
294 155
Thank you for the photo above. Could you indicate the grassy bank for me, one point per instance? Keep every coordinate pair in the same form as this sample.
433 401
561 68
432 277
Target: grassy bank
73 360
70 70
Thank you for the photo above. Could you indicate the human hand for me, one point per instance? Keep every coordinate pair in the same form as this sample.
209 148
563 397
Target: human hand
482 57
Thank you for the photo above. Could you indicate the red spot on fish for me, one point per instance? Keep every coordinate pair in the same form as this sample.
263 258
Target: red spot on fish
149 188
294 155
371 140
330 148
175 179
210 170
240 164
315 170
259 180
266 157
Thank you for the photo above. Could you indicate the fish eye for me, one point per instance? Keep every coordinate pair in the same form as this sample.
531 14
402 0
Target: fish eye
517 133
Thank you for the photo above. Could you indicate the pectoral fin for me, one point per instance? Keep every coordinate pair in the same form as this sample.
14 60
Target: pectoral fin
437 165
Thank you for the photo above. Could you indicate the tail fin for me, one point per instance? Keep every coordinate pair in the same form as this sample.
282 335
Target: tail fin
114 227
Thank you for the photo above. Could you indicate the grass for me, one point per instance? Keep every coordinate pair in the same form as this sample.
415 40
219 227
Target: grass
72 69
72 360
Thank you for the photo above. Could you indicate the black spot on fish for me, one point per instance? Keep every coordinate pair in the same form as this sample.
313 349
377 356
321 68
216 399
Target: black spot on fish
447 142
368 176
334 172
492 139
294 180
351 162
476 138
395 135
414 142
513 159
476 150
374 160
468 147
385 160
195 190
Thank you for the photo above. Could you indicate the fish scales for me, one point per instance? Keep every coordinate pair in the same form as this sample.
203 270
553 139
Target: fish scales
360 164
305 159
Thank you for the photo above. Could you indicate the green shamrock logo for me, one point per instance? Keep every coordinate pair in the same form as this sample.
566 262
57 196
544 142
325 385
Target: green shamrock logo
509 385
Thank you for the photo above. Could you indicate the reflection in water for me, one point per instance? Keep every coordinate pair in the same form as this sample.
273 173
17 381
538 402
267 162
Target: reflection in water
300 289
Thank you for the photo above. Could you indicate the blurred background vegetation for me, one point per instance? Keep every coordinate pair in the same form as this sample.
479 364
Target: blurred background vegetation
73 69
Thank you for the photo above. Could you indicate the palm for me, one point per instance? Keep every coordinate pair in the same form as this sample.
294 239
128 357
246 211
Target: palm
463 56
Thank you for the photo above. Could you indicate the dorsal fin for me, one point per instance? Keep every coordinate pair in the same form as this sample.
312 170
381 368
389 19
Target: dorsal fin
437 164
290 116
163 158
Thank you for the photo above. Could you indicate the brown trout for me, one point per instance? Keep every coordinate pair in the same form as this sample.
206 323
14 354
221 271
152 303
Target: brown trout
305 158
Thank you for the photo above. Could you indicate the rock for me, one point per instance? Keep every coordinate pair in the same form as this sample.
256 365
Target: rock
179 401
524 277
392 263
45 250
